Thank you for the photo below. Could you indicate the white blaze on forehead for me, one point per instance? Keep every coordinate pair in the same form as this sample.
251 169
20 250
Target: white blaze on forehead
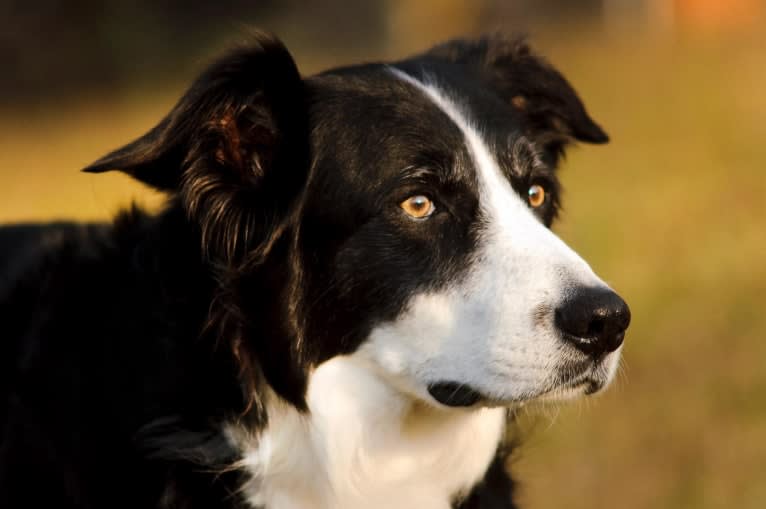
489 174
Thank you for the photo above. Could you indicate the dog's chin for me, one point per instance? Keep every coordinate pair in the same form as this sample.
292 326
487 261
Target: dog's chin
457 395
570 383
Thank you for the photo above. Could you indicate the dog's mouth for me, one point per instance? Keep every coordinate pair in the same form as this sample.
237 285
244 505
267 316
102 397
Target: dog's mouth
583 381
455 394
584 385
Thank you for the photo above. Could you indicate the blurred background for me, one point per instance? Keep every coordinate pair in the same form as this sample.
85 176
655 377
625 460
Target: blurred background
671 212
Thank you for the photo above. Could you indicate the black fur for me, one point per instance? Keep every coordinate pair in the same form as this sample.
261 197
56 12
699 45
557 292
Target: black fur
126 346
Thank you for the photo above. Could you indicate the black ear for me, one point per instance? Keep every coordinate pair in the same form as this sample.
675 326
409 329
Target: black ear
236 107
235 141
528 83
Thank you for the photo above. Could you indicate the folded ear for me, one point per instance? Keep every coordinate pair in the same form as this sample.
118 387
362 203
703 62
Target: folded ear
239 111
529 84
235 141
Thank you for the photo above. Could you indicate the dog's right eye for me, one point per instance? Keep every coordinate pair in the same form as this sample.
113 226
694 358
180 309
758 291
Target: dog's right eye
418 206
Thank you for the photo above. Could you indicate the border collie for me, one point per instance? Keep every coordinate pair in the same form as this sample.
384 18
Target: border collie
352 282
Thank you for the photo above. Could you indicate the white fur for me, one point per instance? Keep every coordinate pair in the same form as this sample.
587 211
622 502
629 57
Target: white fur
365 445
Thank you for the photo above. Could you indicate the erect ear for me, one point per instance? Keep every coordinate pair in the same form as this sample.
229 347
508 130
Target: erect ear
235 140
528 83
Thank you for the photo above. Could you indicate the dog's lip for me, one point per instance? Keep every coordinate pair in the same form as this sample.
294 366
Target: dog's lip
460 395
455 394
589 375
591 384
587 384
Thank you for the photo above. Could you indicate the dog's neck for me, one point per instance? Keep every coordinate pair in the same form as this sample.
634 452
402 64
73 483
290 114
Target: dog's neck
364 444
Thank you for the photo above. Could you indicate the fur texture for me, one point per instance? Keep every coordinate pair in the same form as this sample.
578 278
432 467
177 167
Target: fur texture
287 333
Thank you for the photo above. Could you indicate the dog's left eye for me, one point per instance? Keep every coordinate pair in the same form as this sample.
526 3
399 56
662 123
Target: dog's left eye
536 195
418 206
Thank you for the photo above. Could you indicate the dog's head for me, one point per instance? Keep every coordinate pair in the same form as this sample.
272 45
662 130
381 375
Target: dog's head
396 213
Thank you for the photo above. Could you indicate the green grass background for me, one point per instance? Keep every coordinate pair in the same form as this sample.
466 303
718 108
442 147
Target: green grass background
671 213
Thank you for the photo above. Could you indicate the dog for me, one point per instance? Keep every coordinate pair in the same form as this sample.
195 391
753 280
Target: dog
352 281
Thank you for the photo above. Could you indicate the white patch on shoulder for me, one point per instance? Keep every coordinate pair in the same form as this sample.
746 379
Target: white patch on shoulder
365 444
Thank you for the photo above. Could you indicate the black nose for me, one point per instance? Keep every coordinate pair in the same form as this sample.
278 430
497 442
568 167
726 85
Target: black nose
593 320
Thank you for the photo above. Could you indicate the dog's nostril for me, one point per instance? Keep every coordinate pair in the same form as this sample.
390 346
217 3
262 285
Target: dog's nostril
596 327
594 320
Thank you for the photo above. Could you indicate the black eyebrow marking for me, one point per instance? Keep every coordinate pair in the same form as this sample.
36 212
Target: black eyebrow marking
525 157
437 168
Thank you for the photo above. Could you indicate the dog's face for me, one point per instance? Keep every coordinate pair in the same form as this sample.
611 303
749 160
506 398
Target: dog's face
401 214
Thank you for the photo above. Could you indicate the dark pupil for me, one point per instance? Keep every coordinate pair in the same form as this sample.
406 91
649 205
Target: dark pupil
419 203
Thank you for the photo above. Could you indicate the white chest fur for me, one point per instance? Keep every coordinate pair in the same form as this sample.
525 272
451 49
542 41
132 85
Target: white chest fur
364 444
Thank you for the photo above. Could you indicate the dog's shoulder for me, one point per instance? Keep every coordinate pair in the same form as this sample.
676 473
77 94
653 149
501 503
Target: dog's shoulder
38 246
34 259
64 287
48 270
89 316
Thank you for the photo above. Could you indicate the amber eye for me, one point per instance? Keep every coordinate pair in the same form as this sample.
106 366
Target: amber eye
418 206
536 195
